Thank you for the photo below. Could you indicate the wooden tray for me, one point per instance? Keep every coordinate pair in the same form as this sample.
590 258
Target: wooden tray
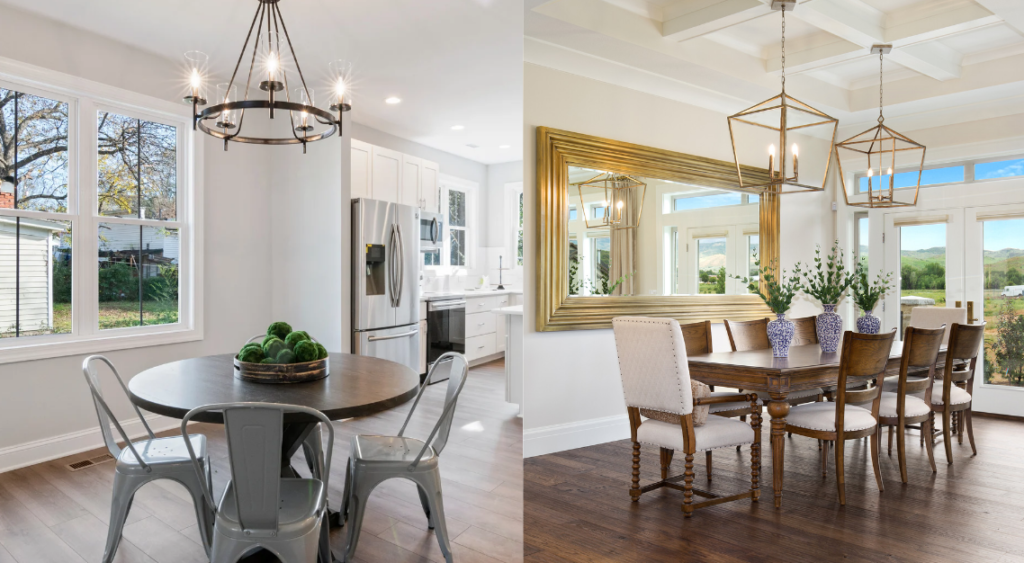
282 373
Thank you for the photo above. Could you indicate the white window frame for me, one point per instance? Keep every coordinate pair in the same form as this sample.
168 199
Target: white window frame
85 98
513 191
470 189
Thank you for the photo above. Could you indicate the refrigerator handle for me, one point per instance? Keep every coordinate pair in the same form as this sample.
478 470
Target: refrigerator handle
392 274
393 336
401 266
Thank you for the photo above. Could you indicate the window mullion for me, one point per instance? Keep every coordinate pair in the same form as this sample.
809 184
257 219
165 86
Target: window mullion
87 293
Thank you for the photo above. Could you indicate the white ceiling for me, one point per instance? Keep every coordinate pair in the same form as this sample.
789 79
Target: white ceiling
452 62
953 60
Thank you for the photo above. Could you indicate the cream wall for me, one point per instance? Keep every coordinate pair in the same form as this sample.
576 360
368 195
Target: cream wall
573 396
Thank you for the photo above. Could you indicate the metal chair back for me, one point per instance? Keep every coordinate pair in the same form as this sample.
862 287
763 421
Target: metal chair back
459 370
254 434
103 412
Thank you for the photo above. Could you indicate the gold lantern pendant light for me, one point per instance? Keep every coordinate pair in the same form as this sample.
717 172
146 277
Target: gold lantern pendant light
784 115
884 150
618 190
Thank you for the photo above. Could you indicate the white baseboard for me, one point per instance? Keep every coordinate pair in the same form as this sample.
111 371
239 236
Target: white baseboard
572 435
39 451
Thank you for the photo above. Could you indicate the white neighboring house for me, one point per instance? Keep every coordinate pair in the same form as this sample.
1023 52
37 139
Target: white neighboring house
36 272
1013 291
118 237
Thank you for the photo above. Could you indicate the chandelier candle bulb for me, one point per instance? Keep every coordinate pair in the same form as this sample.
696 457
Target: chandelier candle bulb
771 162
796 164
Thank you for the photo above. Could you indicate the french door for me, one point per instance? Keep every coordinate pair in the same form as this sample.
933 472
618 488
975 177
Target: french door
972 256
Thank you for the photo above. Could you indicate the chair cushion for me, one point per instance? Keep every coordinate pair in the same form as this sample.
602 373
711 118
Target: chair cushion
162 452
700 413
822 416
957 396
388 449
722 407
717 432
914 405
891 384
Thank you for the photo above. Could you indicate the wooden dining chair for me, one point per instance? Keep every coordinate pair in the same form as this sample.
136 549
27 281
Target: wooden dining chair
805 331
864 356
947 397
753 335
697 339
656 377
897 410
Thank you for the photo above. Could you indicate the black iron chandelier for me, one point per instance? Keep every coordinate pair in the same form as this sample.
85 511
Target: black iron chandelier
268 70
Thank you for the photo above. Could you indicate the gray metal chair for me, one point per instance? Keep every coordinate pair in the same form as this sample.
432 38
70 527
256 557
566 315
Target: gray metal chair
259 508
375 459
146 460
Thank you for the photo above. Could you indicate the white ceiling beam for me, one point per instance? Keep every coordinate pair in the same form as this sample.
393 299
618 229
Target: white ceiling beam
1011 11
712 18
862 26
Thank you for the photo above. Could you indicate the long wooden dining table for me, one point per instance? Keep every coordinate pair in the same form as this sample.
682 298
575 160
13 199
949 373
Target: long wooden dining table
807 367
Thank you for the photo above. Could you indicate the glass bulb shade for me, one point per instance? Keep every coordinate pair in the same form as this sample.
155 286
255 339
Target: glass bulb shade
340 72
306 98
273 57
196 63
226 93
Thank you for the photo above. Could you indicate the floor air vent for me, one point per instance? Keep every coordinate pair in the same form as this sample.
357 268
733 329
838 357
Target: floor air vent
89 462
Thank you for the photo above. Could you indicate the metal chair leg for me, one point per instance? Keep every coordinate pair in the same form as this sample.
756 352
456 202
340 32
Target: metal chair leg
430 483
125 487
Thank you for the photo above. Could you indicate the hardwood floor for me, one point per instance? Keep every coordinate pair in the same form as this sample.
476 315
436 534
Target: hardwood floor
51 514
577 507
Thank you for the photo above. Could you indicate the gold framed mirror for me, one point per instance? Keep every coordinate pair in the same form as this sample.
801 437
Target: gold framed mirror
614 219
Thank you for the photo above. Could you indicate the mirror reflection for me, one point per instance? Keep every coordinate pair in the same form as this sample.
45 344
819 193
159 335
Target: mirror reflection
631 235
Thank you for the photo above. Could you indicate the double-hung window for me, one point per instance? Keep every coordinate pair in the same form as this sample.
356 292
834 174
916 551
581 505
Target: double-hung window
457 222
97 242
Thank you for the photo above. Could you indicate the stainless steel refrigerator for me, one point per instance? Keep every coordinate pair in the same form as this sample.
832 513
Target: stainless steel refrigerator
386 293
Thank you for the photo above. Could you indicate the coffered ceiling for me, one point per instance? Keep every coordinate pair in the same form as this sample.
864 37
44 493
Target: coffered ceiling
952 60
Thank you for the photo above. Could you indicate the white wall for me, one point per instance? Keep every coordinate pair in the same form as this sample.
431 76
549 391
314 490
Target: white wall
573 396
311 239
45 406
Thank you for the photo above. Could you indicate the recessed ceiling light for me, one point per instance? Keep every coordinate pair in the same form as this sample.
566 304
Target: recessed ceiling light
504 146
457 127
393 100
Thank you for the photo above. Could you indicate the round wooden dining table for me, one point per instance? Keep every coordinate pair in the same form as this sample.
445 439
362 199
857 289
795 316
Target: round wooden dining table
357 386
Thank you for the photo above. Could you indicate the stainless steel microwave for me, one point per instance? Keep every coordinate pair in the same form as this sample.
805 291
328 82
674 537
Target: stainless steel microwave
431 231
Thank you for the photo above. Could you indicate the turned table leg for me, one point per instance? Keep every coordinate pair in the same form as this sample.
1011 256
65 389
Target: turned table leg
778 409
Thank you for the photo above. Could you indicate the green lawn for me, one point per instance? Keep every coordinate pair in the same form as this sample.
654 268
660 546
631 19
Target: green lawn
117 314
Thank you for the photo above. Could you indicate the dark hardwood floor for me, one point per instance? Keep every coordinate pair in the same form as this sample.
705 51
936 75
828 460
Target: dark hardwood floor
577 507
49 514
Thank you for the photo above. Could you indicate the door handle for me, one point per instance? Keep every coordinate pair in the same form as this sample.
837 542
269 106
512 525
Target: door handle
970 313
393 273
392 336
433 229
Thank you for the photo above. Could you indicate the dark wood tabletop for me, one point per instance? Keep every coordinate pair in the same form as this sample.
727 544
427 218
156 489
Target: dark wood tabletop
356 386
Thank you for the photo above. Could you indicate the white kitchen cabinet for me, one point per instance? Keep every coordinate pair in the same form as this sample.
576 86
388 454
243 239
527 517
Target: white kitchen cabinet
412 175
485 329
386 175
499 323
430 187
362 168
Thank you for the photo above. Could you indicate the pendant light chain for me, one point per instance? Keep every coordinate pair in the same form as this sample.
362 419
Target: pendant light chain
783 48
880 85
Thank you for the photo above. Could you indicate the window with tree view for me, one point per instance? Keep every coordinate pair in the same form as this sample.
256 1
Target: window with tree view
35 226
138 243
457 227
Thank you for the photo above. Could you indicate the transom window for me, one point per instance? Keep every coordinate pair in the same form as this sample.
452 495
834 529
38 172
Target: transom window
965 172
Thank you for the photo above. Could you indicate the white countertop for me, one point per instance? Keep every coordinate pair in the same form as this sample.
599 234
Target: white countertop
513 310
426 296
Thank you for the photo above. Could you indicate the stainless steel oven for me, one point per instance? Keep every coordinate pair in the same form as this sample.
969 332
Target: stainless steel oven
446 331
431 231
